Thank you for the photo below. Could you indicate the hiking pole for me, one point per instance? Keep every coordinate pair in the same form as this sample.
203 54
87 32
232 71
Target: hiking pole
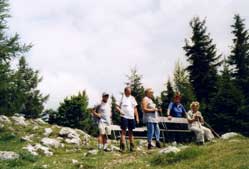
215 133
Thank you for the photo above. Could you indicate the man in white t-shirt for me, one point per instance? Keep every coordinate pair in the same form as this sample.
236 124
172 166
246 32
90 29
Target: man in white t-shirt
102 113
128 113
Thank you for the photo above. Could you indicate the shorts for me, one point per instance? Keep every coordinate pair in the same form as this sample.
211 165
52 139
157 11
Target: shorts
104 129
127 123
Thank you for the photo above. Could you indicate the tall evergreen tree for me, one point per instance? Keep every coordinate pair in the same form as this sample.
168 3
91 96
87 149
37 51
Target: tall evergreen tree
28 99
137 89
202 55
239 58
167 96
10 48
227 105
183 85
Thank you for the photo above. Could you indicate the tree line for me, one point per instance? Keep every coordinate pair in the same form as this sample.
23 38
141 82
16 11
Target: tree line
220 83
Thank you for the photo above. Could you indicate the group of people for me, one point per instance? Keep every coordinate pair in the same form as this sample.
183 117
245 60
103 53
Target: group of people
129 118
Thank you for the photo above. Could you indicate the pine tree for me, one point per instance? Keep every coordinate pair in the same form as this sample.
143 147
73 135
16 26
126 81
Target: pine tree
227 105
182 84
10 48
166 97
137 89
28 99
73 110
202 55
239 58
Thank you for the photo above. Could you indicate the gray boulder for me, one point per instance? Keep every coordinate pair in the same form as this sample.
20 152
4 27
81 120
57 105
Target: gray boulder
8 155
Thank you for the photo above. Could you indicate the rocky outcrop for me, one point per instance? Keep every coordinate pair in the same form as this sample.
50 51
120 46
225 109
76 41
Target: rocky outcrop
4 119
49 142
19 120
170 149
38 147
8 155
48 132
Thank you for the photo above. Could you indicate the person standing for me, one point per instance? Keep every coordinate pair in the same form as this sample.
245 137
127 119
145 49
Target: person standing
103 114
150 117
128 113
196 122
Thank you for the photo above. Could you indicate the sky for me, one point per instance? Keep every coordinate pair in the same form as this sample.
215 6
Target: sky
93 44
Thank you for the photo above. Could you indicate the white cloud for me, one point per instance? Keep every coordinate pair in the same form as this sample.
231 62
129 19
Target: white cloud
92 44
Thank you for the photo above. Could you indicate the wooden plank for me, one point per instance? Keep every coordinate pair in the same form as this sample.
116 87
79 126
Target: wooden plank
176 131
138 129
173 120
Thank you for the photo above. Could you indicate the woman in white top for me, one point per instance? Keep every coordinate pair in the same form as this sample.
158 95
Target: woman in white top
196 122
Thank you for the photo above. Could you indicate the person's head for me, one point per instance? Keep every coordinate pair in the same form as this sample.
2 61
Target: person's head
194 106
177 98
127 91
105 97
149 92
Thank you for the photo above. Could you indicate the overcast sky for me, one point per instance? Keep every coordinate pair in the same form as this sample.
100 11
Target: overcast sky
93 44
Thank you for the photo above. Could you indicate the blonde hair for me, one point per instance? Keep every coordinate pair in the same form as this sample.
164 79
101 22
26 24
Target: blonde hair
195 104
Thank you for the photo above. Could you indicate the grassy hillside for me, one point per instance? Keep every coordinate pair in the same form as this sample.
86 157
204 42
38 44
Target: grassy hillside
224 154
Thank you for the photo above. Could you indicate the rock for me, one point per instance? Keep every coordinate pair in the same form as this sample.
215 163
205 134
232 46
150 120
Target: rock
170 149
229 135
19 120
142 142
114 148
73 141
174 143
40 121
45 166
92 152
27 138
49 142
35 127
8 155
1 126
38 147
75 161
48 132
4 119
68 132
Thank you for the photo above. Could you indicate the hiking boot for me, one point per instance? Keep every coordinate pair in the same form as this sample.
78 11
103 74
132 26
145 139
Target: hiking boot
149 146
122 147
107 150
158 145
132 146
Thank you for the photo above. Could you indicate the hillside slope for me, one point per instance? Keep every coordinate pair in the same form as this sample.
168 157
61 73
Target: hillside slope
74 149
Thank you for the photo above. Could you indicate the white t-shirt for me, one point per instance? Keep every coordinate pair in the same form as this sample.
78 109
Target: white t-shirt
127 107
105 110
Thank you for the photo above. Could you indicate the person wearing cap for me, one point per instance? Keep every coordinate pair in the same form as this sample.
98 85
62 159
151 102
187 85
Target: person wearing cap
103 114
196 122
175 108
128 113
150 117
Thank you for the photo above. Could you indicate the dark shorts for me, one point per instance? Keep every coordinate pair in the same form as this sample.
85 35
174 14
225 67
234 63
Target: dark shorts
127 123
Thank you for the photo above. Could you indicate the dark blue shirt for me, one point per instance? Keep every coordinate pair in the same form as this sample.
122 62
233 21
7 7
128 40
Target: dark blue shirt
176 110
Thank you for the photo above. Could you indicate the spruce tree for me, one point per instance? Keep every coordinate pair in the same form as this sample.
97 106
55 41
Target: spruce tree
227 105
239 57
28 99
10 48
203 61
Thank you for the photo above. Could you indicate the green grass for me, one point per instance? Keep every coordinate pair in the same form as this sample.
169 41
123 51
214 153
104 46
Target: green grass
224 154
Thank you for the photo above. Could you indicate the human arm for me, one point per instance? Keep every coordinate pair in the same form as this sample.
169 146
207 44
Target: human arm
146 109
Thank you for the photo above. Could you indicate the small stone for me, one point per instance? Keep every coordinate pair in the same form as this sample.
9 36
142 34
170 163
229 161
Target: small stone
48 132
92 152
4 119
19 120
49 142
75 161
170 149
27 138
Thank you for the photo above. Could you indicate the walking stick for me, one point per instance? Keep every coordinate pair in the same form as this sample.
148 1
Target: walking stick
215 133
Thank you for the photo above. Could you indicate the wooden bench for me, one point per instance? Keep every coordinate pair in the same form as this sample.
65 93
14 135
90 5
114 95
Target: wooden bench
164 123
